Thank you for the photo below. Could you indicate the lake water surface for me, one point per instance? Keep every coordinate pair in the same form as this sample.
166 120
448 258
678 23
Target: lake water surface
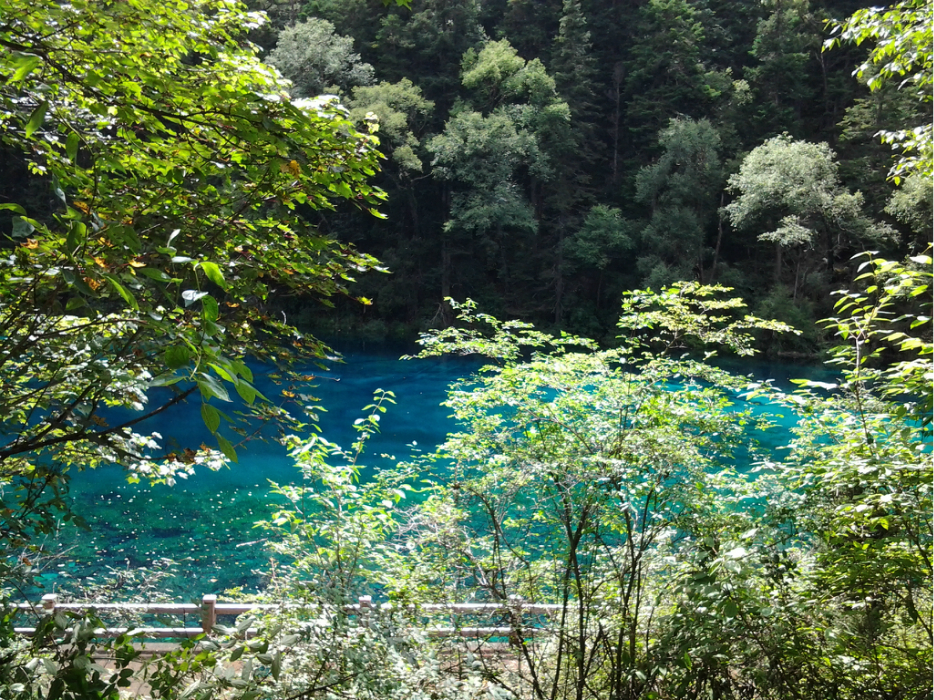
205 524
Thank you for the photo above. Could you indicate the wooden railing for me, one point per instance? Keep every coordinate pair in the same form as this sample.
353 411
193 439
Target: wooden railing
209 610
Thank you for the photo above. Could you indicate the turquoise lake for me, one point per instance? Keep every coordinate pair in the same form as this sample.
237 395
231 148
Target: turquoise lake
205 524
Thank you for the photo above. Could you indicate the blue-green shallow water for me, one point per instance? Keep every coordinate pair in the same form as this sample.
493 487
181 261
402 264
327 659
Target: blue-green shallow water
206 524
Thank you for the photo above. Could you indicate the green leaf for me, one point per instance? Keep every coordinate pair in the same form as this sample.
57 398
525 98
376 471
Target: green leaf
25 64
153 274
246 391
227 376
729 609
128 236
13 207
209 308
211 417
276 667
228 449
71 145
122 291
22 227
213 273
166 380
75 303
242 370
77 233
36 118
177 356
686 660
211 387
58 191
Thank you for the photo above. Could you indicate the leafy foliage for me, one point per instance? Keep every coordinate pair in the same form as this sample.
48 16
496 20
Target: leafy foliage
483 155
681 190
574 473
318 60
750 70
603 236
401 111
792 188
902 55
183 176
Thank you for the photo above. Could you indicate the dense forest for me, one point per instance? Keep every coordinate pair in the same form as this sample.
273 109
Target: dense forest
594 197
542 157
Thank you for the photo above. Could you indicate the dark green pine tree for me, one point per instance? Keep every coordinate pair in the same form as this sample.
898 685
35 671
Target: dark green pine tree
530 26
574 66
425 45
573 148
681 189
667 74
357 18
787 49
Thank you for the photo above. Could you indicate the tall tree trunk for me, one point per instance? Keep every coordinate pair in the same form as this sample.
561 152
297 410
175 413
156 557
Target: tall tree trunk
504 263
446 311
716 250
777 271
559 277
445 267
618 72
415 297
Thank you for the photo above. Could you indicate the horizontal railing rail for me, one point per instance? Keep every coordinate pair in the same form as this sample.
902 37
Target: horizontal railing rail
209 610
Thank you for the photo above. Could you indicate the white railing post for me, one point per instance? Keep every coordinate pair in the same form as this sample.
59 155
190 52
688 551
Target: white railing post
49 601
366 612
208 613
366 607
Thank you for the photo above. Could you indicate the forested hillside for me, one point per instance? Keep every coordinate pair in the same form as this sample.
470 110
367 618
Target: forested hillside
543 156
